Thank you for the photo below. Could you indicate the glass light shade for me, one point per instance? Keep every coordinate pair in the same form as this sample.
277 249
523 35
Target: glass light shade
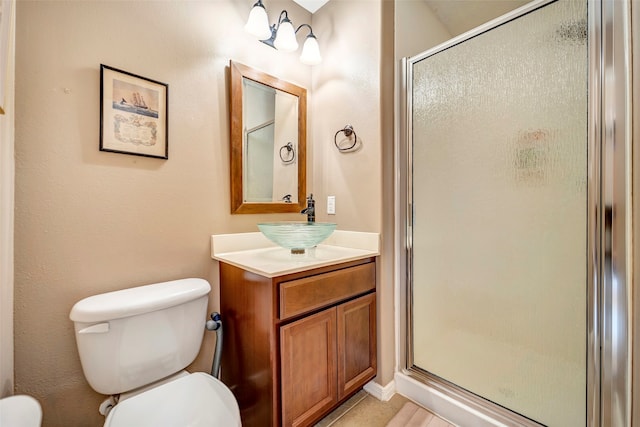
258 23
311 51
286 37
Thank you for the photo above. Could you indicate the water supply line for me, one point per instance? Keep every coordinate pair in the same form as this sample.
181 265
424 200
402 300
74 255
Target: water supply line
215 324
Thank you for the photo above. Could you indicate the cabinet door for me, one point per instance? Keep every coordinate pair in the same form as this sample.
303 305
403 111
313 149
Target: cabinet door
357 361
308 368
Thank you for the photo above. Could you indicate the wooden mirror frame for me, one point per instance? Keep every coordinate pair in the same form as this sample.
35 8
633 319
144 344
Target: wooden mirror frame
238 206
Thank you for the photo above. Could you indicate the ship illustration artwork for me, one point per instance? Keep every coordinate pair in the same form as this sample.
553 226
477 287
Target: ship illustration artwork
136 104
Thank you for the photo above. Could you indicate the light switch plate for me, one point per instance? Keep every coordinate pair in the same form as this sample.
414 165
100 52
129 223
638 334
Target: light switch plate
331 205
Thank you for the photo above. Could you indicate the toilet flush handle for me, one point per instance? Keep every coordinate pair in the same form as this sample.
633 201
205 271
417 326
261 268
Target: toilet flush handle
99 328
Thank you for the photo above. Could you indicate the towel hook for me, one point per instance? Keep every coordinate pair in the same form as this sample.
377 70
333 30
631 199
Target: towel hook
348 131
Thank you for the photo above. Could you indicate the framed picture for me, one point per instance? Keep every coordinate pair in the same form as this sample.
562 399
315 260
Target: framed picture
133 114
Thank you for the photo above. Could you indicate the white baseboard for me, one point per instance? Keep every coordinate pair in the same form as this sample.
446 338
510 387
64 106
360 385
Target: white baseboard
445 407
379 392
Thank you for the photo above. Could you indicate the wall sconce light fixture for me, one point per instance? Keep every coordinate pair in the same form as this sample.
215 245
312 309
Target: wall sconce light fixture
282 35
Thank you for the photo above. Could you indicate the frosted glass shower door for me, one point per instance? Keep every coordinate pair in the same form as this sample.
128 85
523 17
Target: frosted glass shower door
499 224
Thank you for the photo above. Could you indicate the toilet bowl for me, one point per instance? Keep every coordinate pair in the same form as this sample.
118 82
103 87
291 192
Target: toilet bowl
196 399
20 411
134 345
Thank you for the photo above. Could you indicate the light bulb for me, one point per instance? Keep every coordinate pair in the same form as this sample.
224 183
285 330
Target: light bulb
258 22
286 37
310 51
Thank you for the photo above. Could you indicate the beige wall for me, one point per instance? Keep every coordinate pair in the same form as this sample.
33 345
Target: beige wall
417 28
347 89
89 222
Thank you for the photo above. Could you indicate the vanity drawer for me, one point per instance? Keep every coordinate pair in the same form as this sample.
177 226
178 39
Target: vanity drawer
303 295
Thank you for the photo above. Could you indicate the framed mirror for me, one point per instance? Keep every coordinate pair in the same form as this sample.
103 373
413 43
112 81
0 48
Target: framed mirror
268 143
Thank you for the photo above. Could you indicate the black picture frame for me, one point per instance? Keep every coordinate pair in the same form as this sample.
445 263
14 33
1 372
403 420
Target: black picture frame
134 114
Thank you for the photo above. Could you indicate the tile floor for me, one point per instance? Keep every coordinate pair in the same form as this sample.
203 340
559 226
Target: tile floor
363 410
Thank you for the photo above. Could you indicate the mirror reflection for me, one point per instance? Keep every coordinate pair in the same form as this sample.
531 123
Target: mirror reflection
268 137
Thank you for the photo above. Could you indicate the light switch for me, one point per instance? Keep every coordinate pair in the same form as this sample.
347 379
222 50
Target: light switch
331 205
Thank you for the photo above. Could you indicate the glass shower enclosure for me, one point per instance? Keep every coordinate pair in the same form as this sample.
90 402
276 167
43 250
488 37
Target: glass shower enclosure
509 219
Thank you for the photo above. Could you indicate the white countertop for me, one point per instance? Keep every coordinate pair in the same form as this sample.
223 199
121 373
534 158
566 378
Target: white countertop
254 252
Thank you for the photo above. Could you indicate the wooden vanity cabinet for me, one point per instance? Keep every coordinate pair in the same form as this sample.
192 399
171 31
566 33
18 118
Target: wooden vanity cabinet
308 368
296 346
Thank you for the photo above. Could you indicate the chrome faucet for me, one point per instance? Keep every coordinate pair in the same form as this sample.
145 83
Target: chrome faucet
310 210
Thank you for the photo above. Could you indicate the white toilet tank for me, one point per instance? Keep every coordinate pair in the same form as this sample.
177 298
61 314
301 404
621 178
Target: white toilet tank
133 337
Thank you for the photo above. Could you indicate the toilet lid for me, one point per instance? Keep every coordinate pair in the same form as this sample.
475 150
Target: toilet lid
194 400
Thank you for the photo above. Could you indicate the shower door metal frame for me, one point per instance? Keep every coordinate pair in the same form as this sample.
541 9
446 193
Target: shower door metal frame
608 394
613 130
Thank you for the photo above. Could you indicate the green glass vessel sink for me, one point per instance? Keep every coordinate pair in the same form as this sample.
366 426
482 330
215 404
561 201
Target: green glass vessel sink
297 235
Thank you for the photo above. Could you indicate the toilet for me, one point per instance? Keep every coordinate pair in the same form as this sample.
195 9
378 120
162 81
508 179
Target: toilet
20 411
134 345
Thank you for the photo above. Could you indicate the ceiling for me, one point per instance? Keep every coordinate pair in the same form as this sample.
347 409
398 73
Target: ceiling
458 16
311 5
